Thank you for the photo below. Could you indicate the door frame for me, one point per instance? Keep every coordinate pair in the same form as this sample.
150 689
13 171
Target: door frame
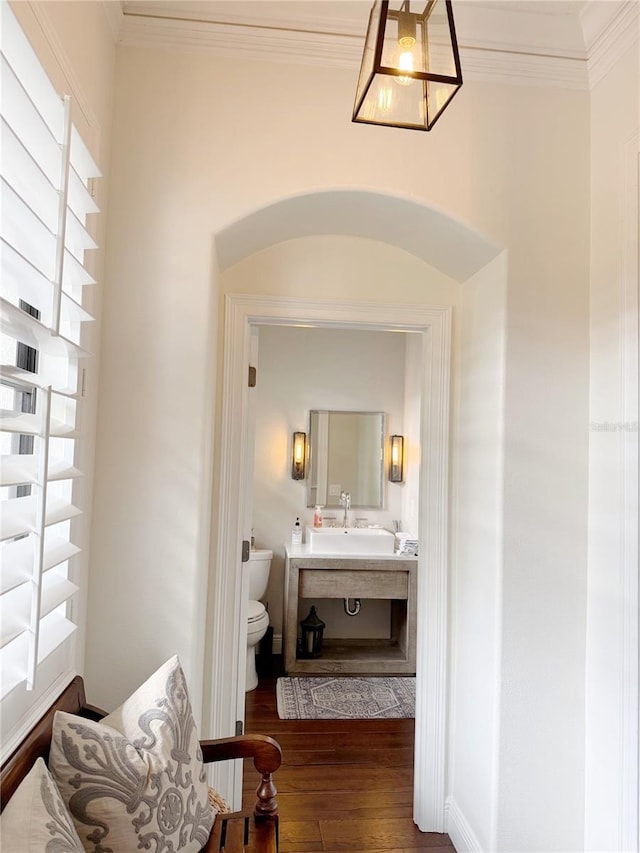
228 653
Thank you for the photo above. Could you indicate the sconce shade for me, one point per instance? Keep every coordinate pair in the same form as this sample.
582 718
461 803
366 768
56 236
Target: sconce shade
410 66
298 455
312 631
396 460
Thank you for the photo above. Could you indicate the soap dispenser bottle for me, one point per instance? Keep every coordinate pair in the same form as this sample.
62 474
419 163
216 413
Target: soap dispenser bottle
296 533
317 517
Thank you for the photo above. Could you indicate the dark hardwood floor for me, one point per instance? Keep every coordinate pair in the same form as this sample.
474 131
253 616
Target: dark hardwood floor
344 785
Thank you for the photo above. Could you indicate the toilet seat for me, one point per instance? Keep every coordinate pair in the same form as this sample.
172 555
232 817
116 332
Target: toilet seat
255 611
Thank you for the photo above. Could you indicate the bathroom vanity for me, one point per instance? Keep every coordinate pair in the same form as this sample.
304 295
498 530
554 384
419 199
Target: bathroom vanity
311 574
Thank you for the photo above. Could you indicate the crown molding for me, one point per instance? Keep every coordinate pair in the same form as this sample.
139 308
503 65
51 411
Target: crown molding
246 40
251 14
610 30
243 40
497 43
523 69
114 15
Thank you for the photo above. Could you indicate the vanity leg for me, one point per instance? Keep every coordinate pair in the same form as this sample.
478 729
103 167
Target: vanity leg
290 620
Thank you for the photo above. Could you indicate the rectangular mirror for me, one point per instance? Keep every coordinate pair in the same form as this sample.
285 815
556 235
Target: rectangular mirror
346 453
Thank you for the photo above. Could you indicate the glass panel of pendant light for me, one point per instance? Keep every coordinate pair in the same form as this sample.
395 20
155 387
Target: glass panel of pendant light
438 96
368 55
438 41
388 102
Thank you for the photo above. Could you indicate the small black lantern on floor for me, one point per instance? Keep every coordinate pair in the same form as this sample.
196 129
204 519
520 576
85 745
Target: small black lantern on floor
312 630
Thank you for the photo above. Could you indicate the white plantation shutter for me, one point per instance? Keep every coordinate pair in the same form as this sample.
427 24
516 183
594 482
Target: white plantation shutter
45 171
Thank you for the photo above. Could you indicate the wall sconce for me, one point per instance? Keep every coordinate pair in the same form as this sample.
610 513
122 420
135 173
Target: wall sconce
396 462
410 67
298 455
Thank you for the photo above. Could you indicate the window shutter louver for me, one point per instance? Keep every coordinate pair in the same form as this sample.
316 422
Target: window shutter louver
45 172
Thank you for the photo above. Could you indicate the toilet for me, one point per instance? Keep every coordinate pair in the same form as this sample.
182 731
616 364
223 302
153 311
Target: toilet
257 616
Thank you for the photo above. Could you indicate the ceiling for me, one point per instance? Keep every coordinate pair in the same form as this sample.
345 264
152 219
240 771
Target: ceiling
533 40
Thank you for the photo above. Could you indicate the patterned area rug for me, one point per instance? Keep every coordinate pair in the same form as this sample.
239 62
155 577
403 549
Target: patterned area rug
346 698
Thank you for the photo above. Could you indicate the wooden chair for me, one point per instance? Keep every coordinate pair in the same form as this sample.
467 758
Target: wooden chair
254 831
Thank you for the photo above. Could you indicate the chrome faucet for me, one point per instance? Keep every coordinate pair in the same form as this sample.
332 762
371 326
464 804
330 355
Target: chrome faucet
345 501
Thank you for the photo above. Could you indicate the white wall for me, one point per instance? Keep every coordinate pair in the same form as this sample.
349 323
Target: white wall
150 539
541 788
200 143
476 552
613 462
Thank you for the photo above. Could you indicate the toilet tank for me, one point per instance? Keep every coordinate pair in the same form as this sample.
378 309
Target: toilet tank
259 566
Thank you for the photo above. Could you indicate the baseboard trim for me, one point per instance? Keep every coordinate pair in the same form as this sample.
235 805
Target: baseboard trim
458 829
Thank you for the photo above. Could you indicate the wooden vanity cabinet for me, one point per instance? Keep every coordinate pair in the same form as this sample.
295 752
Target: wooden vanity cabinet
318 577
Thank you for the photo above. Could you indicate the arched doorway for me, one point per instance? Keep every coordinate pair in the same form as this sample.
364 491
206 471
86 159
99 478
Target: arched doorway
460 252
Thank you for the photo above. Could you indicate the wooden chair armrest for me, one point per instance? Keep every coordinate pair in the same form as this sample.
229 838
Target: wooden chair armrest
267 757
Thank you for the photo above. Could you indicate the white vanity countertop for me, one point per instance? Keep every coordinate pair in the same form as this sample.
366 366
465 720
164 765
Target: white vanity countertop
304 551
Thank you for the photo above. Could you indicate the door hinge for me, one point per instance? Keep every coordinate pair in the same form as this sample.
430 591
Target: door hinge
239 728
245 551
252 377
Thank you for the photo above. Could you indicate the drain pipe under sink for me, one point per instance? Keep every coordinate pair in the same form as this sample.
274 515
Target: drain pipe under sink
357 604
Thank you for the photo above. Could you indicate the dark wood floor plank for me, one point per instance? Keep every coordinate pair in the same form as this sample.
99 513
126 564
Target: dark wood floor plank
345 786
346 739
344 755
346 835
361 806
379 779
379 850
324 801
332 726
299 830
449 848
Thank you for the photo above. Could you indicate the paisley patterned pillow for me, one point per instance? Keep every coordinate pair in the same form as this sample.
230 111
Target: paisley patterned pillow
136 779
36 820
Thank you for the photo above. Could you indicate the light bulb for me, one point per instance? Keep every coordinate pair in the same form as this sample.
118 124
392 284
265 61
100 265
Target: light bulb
405 60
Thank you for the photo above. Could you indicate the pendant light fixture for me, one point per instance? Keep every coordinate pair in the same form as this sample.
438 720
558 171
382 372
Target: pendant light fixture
410 67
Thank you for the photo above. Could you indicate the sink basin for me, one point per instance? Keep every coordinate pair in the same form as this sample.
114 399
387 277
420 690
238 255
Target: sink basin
350 540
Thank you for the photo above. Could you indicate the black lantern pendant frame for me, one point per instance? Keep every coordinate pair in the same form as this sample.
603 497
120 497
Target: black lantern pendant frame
406 20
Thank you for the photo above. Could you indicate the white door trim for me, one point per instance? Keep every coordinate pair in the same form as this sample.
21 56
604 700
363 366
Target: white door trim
629 499
229 629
